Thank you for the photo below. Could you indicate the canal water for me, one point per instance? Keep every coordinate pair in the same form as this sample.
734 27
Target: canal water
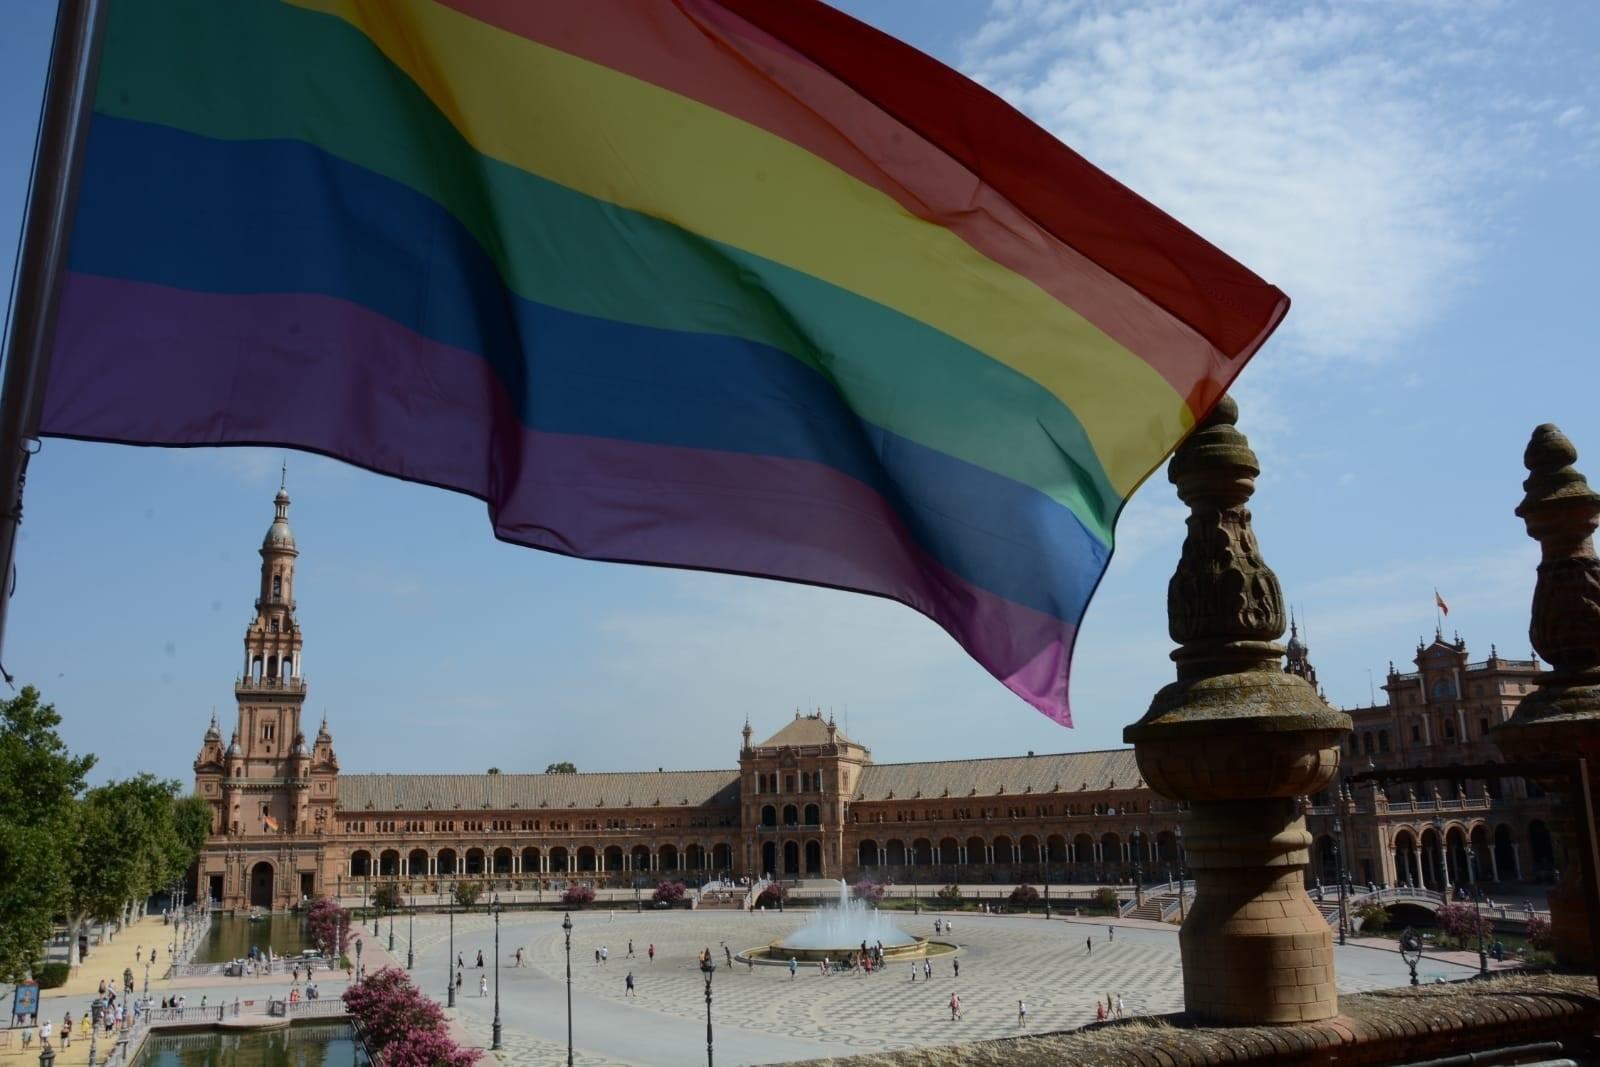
231 936
316 1045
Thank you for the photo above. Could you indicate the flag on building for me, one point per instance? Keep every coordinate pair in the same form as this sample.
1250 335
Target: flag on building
1439 602
269 823
719 284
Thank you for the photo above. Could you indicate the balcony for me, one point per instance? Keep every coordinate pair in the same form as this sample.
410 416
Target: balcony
280 685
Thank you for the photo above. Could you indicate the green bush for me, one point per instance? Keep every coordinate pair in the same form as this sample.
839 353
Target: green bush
1024 896
1373 916
1106 897
53 975
950 894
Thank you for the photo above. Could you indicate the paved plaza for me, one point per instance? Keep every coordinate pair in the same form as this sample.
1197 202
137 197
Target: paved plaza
762 1016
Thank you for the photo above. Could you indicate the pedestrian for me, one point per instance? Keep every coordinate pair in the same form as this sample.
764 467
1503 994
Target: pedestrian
480 959
519 956
949 924
152 957
957 965
459 964
597 957
628 992
1088 945
44 1034
955 1006
1022 1013
605 954
913 972
66 1031
728 952
651 952
630 948
483 985
1099 1012
1109 1005
792 968
459 976
927 970
1121 1011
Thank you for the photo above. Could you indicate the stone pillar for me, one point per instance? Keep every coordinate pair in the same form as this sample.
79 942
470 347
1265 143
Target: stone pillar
1516 859
1560 719
1240 740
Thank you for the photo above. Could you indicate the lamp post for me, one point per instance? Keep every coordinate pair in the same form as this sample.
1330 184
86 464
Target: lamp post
411 930
1338 871
1477 913
566 925
359 976
708 968
494 903
1444 862
1138 870
391 928
450 959
1411 951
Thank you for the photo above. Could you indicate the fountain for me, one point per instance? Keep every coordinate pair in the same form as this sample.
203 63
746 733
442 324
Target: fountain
835 931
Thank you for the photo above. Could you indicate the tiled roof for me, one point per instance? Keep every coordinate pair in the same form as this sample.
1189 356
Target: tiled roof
1063 773
478 792
806 730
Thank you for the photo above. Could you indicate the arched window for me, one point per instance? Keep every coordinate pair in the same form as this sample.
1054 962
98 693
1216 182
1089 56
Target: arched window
277 586
1383 740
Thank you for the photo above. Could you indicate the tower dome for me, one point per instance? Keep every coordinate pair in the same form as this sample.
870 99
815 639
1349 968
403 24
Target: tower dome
233 747
279 536
213 733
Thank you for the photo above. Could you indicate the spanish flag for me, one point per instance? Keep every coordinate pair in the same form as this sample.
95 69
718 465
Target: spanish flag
1439 600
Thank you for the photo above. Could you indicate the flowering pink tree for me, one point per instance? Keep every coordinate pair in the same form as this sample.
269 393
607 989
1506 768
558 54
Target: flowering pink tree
578 895
402 1024
772 895
1539 933
868 890
1024 895
1459 921
328 922
669 892
429 1048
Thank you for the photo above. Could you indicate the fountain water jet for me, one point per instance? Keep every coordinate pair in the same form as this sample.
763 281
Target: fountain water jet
835 932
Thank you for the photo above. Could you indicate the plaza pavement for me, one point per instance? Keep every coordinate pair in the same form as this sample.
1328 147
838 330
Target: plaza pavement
760 1016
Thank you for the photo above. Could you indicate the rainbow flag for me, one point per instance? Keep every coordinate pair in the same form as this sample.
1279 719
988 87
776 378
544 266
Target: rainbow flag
723 284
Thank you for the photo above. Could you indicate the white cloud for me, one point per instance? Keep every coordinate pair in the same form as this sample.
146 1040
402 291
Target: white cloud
1333 148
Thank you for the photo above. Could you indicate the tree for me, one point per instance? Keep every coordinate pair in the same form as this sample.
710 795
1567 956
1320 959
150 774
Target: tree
1539 933
494 770
578 895
561 768
668 892
405 1027
1374 917
39 780
387 896
868 890
1024 896
950 894
329 923
107 857
1461 923
772 895
467 893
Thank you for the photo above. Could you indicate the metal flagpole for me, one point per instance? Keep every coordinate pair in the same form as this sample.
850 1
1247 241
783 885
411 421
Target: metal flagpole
47 231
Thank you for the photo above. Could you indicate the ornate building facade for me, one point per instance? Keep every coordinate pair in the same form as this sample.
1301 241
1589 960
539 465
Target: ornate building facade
808 801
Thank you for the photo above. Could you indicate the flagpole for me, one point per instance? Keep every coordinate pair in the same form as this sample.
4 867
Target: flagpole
47 231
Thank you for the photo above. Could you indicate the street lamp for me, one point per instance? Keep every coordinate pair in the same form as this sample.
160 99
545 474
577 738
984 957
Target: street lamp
566 925
1477 913
494 903
1338 870
1178 833
1411 951
708 968
450 959
411 930
359 975
1444 862
391 928
1138 870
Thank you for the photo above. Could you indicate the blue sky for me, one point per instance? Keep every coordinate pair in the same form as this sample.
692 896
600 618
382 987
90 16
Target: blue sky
1419 176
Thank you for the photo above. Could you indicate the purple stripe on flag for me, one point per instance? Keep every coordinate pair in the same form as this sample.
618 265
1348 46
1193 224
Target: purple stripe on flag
155 364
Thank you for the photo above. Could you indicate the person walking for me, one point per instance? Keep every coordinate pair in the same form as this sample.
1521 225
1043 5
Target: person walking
1099 1012
1121 1011
480 959
44 1034
605 953
1088 945
66 1031
519 956
483 985
728 952
927 970
459 964
793 967
956 963
1022 1013
630 949
628 991
1111 934
597 957
651 952
955 1006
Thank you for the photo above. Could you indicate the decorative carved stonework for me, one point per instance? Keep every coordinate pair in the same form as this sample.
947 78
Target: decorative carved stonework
1560 719
1240 740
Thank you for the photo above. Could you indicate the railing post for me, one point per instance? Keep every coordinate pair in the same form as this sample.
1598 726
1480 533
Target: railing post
1240 740
1560 719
